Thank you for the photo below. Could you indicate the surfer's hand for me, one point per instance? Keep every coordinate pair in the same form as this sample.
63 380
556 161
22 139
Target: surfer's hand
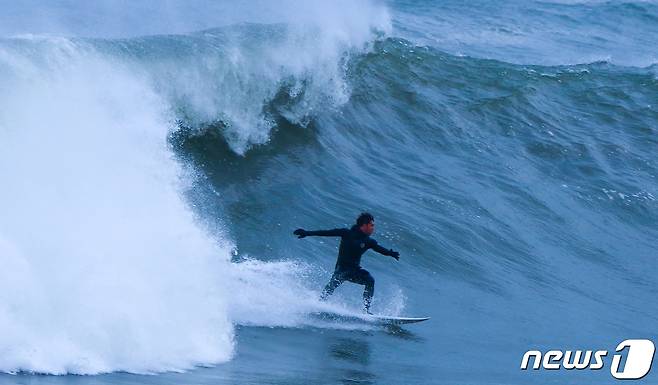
300 233
395 255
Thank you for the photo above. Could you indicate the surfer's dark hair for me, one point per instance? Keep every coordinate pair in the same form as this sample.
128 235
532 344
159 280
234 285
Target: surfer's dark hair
364 218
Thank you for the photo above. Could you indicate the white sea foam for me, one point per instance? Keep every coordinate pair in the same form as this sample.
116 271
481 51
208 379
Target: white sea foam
107 267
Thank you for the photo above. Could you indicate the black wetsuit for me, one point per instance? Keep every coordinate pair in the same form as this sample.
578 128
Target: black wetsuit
353 244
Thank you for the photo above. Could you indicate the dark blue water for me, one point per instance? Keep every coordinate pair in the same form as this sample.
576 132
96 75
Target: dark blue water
156 171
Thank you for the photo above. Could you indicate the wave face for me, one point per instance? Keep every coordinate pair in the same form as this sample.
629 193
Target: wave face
150 183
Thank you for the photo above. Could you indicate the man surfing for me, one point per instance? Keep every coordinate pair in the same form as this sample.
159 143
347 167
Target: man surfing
353 243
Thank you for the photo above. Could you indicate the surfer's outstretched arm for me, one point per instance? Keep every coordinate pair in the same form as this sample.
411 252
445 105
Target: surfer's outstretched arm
384 251
301 233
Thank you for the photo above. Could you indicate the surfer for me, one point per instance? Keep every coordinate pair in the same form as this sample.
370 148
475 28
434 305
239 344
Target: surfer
354 242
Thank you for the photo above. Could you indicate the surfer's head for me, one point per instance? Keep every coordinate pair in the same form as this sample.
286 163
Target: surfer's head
366 223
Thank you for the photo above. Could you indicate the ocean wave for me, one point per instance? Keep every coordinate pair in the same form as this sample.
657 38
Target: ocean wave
141 173
111 270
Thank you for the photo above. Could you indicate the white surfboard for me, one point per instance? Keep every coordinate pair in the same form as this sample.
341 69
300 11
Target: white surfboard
369 318
399 320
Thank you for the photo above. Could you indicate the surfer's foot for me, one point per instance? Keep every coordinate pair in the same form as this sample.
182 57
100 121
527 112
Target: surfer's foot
367 311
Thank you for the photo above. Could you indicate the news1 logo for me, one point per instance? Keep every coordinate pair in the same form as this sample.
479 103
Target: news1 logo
639 358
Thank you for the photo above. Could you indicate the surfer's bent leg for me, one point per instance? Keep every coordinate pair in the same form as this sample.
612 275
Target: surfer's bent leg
363 277
334 282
